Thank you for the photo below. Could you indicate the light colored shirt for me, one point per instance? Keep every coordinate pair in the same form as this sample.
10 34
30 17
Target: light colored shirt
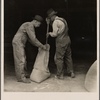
58 27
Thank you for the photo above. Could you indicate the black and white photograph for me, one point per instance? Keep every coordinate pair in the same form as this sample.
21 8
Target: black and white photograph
50 46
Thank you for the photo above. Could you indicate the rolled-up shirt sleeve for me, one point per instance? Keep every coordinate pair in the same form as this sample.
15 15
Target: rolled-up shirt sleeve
55 29
58 27
32 36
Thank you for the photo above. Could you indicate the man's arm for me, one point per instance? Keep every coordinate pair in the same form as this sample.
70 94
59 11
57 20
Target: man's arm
58 27
55 29
32 36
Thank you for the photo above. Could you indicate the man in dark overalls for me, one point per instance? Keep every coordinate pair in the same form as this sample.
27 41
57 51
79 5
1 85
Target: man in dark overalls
24 33
63 42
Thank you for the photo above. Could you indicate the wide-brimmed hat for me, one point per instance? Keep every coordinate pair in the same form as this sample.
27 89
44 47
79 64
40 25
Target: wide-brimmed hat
38 18
51 12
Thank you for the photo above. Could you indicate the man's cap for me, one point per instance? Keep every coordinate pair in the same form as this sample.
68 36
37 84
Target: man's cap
38 18
51 12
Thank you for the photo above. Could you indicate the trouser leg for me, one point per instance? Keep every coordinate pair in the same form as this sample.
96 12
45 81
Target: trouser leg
68 60
60 60
26 70
20 61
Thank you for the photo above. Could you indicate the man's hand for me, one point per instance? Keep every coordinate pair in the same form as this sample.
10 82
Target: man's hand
44 47
48 20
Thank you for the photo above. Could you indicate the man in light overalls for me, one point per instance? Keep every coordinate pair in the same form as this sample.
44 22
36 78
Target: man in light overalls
24 33
63 42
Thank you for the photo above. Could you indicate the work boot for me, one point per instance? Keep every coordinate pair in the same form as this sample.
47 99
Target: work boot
71 74
59 77
24 79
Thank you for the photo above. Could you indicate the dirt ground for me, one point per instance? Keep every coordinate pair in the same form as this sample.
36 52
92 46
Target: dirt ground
49 85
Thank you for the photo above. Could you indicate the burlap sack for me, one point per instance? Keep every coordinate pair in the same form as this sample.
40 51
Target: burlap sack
40 70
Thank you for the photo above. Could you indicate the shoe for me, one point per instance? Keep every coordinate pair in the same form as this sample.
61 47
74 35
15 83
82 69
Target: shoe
59 77
24 80
56 77
72 75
